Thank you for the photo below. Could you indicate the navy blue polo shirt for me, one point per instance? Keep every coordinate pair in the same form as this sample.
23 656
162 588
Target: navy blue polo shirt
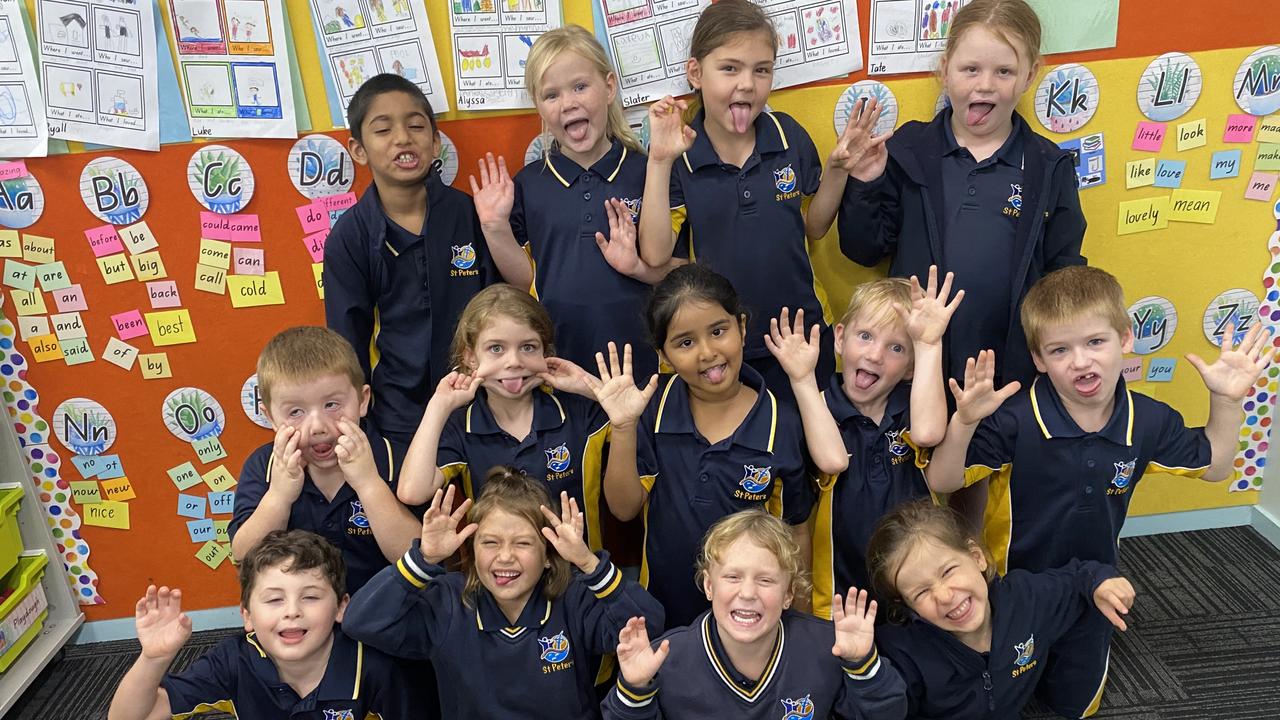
1030 613
748 223
1047 474
802 679
237 677
395 294
692 483
981 204
885 470
341 520
541 666
564 447
559 208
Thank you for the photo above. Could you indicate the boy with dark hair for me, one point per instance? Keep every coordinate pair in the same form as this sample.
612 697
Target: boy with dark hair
401 264
322 473
293 662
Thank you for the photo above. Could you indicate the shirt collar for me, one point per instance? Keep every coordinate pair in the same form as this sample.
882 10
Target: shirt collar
567 171
746 688
382 222
548 413
757 430
490 618
1055 421
770 138
1010 153
342 674
842 408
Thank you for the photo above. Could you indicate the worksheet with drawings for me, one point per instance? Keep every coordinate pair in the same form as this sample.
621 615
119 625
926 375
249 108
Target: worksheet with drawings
23 131
490 41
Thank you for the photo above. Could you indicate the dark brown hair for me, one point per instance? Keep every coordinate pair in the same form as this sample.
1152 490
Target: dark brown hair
722 20
293 551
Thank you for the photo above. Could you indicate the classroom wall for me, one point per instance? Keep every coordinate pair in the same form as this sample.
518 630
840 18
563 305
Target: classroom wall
1187 263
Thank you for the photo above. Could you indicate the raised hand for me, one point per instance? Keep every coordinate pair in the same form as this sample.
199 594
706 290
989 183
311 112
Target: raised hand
287 465
616 389
668 134
620 249
797 355
161 625
440 534
857 151
1238 366
565 534
979 397
1114 597
855 621
638 661
566 376
455 390
495 194
930 312
355 457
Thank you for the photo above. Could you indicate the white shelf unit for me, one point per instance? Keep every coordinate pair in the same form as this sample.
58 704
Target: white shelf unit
64 612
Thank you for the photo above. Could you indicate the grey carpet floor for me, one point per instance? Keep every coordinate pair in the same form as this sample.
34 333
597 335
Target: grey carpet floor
1205 641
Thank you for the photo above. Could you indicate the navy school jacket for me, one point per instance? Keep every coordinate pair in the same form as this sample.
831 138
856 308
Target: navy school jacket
1030 611
898 215
543 666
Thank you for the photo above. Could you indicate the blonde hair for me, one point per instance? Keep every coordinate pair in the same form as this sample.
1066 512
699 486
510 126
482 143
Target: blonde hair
576 39
508 490
877 298
306 353
761 528
1070 294
499 300
1013 21
898 533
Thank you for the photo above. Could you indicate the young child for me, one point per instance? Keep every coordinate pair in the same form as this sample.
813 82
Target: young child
968 643
715 440
976 191
1069 450
400 265
295 661
867 431
573 213
517 634
322 472
752 653
738 172
494 411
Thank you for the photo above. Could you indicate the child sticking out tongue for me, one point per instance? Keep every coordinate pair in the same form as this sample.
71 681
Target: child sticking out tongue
741 116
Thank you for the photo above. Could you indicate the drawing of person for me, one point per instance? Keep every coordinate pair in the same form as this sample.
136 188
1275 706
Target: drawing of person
248 30
253 95
122 34
235 27
342 15
119 104
379 10
188 28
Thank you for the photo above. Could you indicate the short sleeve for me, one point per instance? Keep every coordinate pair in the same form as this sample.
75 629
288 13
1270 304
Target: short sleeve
452 450
211 680
992 446
250 488
676 187
1180 450
646 446
516 220
797 489
810 161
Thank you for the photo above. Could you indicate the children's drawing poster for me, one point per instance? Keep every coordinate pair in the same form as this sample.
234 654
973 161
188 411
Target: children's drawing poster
23 132
909 35
99 72
362 38
233 66
649 42
815 41
491 40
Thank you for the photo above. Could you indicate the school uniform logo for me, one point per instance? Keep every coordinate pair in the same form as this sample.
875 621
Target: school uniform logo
558 458
801 709
339 715
785 179
555 649
1023 652
1124 476
633 207
755 480
358 518
1014 208
464 256
897 447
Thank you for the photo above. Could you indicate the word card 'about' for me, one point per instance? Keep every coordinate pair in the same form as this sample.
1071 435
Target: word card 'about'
215 253
1149 137
1191 135
314 217
317 272
208 450
315 245
1139 173
1197 206
163 294
104 240
87 465
120 353
201 531
19 275
129 324
1268 157
33 326
213 554
1260 186
214 226
85 492
68 325
109 466
1169 173
247 261
1269 129
1224 164
244 228
37 249
1143 215
76 351
115 268
255 290
191 506
220 479
154 366
149 266
1239 129
170 327
1131 370
106 514
221 503
28 303
1161 369
45 348
184 476
118 489
138 238
53 276
211 279
10 245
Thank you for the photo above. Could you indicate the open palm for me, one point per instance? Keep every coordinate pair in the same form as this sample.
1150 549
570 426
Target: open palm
161 625
616 390
855 621
440 534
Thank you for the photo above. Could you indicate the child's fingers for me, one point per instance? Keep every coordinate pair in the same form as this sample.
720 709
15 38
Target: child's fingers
1200 365
1008 391
467 532
945 290
475 189
651 387
602 368
615 367
502 168
660 655
798 327
550 516
1107 608
837 608
956 392
815 334
955 301
626 359
1228 337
